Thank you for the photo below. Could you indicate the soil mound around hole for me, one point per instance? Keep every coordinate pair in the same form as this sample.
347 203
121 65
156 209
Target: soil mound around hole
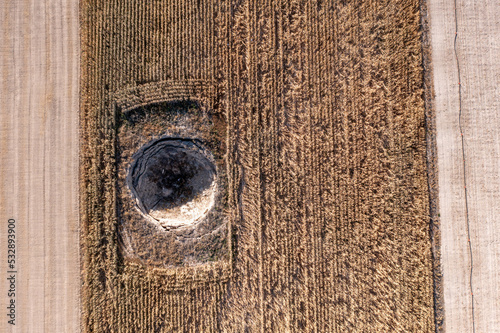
173 182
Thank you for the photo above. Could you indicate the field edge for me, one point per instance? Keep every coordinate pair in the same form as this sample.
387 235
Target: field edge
432 167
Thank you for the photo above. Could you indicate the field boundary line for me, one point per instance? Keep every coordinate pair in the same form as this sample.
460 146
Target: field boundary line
432 166
464 166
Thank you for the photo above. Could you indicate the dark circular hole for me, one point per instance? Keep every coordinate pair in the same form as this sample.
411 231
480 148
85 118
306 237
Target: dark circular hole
173 181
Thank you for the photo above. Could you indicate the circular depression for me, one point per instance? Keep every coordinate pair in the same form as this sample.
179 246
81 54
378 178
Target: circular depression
173 181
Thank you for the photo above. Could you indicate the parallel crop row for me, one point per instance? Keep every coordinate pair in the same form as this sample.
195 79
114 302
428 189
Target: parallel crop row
327 189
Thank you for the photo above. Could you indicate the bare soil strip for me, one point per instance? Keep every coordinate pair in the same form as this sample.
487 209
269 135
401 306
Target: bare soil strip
477 49
39 73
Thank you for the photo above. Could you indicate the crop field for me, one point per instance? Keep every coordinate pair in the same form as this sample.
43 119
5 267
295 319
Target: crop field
314 113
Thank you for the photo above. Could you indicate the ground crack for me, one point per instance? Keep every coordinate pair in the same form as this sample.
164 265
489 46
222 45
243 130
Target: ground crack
464 165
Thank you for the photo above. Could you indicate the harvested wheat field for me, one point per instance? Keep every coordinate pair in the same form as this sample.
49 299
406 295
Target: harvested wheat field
303 124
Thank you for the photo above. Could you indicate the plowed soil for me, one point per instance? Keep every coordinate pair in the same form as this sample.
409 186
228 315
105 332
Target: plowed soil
477 46
39 146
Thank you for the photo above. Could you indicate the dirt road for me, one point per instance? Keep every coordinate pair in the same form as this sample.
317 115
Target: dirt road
478 46
39 75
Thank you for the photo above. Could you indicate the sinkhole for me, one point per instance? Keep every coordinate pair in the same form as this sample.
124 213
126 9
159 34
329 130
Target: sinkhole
173 181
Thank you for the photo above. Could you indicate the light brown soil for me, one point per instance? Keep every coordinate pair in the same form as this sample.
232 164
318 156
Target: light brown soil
39 97
477 47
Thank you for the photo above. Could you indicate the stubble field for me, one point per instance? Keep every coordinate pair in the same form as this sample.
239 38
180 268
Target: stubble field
326 218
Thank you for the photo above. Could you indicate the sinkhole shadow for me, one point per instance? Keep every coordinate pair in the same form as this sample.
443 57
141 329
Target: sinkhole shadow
166 108
170 172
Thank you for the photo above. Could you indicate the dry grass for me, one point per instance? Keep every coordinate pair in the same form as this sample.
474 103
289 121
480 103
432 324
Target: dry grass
323 106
